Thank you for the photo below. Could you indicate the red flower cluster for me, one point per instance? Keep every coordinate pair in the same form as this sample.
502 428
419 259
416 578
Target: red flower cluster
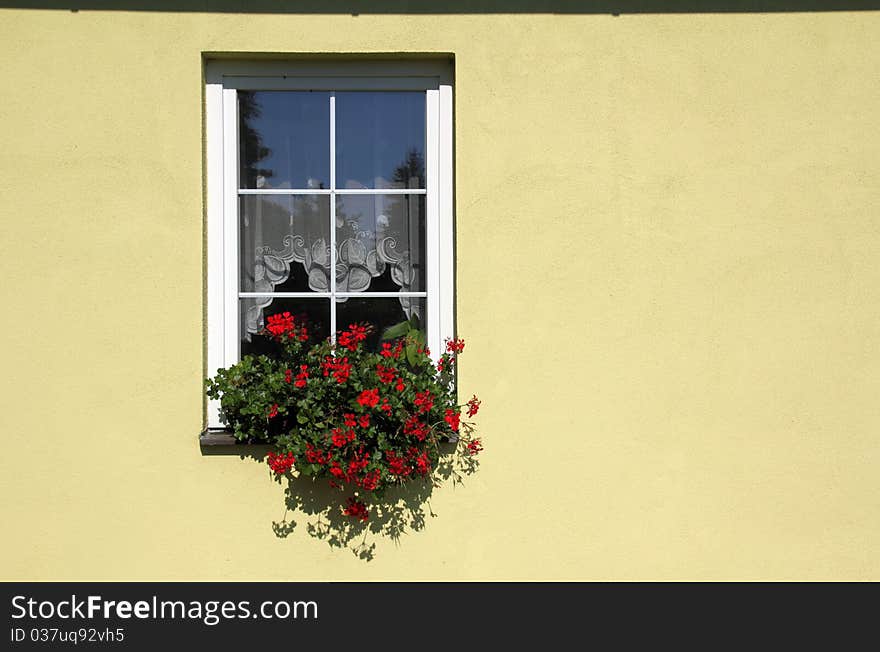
353 420
273 411
314 455
371 480
352 338
341 437
424 401
339 367
302 376
474 447
397 465
386 374
281 463
415 460
389 352
357 464
353 470
455 346
473 406
423 464
285 324
368 398
452 417
280 324
357 509
418 429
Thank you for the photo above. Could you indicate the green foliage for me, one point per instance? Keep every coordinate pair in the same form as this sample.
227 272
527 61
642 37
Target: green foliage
363 420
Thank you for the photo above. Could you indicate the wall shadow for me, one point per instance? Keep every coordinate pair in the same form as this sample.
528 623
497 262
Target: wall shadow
401 511
355 7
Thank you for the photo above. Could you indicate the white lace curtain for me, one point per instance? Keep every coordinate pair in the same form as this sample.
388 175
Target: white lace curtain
360 257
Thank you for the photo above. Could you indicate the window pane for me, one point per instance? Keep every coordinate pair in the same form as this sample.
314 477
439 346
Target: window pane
253 314
284 243
381 243
380 140
381 312
284 139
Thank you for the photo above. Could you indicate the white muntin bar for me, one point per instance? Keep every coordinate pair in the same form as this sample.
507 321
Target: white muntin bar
328 191
380 295
328 295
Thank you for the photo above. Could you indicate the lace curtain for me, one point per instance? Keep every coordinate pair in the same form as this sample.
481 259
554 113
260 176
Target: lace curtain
362 254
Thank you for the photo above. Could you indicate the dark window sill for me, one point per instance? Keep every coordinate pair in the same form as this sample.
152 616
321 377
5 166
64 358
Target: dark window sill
218 437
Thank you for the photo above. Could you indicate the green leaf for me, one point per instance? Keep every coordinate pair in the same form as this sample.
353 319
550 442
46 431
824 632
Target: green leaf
417 335
398 330
411 354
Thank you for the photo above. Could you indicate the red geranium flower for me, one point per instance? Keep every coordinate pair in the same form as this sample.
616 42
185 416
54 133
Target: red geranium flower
455 346
452 418
473 406
357 509
368 398
280 463
280 324
386 374
424 401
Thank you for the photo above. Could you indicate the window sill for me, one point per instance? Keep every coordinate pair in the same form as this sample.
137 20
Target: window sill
219 437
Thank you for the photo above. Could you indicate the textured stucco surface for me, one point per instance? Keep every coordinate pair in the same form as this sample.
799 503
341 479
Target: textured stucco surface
668 279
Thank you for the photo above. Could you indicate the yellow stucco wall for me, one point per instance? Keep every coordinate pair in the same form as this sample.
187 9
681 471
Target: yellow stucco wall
667 260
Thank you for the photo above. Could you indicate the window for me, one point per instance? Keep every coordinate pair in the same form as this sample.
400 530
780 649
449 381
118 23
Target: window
320 166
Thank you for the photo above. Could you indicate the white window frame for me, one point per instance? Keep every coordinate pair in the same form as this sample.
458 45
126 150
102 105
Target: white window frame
223 79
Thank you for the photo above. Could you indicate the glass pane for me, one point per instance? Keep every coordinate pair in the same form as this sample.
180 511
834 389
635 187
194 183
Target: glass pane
284 243
381 312
284 139
380 140
253 314
380 242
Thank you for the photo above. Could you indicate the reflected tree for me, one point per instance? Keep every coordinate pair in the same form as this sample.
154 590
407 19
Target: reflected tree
411 172
251 143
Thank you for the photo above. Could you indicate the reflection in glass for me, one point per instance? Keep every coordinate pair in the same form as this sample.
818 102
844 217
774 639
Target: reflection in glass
284 139
380 140
254 311
284 243
381 312
380 238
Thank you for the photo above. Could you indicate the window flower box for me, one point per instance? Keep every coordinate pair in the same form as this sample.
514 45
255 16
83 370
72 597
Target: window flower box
362 420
